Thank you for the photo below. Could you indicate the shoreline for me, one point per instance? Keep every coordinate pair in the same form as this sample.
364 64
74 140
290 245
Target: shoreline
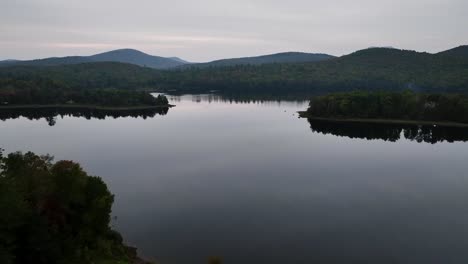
304 114
87 107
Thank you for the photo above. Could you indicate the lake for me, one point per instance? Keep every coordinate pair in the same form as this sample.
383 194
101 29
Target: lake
251 182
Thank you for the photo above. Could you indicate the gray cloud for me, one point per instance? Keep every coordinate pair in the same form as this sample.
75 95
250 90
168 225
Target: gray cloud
209 29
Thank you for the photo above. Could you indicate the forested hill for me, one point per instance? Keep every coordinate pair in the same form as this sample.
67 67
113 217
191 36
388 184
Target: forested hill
370 69
461 51
96 84
122 55
96 75
374 68
285 57
390 105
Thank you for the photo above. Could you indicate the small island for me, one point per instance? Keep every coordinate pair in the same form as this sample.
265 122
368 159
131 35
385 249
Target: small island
404 107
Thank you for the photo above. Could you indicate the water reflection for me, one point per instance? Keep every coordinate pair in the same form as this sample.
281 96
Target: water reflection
235 98
390 132
51 114
251 183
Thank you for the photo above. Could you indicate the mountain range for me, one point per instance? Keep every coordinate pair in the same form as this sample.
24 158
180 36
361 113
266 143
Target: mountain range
145 60
285 57
368 69
122 55
139 58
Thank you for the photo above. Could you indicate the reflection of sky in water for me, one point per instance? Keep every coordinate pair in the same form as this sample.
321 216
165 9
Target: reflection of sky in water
252 183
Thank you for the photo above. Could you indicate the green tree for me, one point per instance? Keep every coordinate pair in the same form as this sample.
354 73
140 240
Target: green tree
54 213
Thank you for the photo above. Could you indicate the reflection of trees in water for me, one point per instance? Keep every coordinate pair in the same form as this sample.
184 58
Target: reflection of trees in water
390 132
245 97
51 114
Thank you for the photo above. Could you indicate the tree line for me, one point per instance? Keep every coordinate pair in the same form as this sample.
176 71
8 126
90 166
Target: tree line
370 69
50 94
102 84
406 105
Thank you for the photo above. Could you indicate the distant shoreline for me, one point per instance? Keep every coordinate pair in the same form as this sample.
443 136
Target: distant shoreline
87 107
304 114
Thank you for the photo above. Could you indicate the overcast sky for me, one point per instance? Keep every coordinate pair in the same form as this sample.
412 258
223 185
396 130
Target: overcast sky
204 30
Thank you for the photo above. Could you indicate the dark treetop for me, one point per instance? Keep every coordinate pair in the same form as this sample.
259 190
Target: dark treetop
55 213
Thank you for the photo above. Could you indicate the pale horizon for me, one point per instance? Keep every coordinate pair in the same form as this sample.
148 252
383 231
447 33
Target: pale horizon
210 30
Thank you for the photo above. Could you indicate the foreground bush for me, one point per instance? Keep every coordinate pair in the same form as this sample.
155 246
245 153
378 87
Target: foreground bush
54 213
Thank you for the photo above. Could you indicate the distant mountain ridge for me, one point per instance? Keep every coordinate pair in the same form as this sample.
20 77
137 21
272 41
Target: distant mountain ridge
179 60
122 55
139 58
142 59
284 57
368 69
461 51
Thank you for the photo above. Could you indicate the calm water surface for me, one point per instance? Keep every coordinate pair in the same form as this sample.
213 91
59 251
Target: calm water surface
253 183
